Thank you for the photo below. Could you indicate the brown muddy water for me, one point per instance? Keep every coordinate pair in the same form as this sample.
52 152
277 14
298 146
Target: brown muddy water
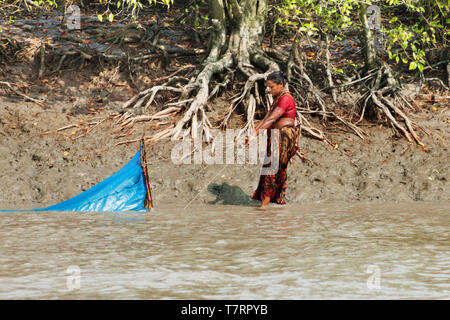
318 251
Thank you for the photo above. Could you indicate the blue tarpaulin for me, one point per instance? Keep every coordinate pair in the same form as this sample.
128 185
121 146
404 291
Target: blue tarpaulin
126 190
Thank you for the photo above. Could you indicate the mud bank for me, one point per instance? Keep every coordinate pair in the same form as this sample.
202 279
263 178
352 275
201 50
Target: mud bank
42 169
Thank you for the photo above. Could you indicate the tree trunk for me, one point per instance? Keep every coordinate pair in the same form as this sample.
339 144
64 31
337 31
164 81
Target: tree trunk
245 21
384 88
235 43
234 48
367 40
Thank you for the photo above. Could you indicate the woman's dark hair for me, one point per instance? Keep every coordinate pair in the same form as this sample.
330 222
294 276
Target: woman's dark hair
278 77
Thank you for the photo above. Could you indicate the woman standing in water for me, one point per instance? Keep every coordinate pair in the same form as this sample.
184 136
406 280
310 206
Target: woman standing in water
281 116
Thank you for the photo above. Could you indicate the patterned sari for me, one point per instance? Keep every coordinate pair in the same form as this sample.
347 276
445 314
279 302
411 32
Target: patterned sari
273 183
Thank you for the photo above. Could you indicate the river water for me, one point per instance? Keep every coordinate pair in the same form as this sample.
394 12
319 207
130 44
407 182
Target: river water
320 251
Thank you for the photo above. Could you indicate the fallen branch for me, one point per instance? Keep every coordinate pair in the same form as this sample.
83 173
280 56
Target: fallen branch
438 80
42 61
304 159
160 135
125 134
42 104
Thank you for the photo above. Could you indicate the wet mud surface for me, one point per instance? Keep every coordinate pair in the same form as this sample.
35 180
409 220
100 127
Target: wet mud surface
40 166
39 169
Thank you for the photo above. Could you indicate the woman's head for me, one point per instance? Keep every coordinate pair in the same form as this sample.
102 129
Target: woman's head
275 82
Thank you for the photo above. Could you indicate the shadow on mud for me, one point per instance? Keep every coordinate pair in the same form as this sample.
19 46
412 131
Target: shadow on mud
230 195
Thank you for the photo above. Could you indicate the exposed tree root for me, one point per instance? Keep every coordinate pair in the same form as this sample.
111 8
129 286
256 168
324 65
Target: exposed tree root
131 120
241 55
112 43
358 131
148 96
234 60
9 49
384 98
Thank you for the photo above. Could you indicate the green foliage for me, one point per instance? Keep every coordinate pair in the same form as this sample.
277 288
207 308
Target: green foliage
409 38
423 24
312 16
406 38
51 3
409 34
127 5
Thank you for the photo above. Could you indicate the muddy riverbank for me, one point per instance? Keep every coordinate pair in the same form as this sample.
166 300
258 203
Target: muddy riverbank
40 166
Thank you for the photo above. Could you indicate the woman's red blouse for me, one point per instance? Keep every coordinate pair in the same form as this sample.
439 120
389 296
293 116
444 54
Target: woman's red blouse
287 104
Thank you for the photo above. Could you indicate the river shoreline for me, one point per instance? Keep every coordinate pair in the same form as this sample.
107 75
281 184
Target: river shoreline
41 167
51 153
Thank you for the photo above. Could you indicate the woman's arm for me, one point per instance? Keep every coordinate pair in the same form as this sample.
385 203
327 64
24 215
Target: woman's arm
282 105
268 121
262 121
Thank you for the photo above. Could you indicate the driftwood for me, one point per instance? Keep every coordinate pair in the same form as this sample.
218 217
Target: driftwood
10 86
